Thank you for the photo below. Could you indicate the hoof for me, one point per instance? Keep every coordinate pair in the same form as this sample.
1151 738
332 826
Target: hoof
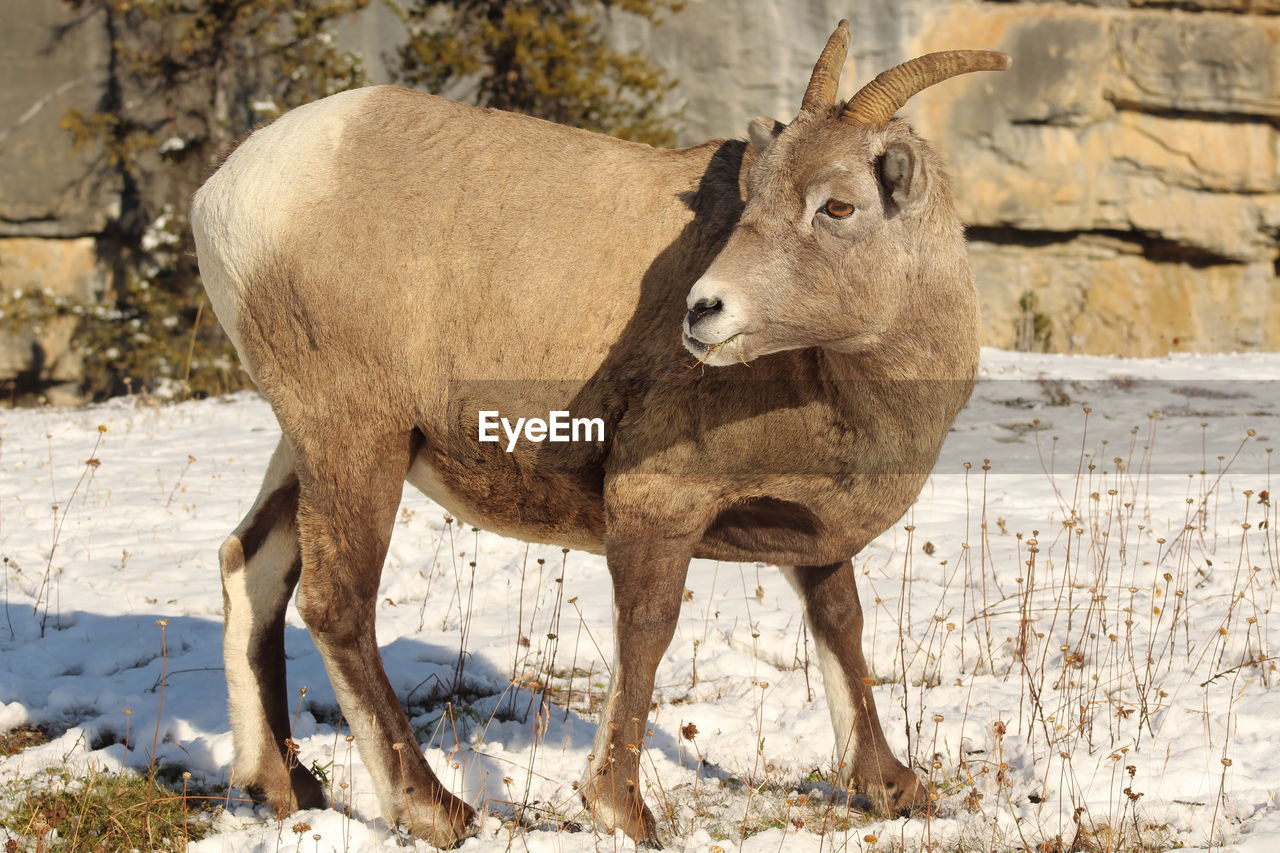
916 801
445 826
285 791
899 793
615 804
307 790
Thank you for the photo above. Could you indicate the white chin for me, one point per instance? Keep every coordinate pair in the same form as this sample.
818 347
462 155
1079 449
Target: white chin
723 358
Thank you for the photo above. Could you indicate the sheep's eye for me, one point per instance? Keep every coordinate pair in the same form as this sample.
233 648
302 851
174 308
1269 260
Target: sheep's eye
837 209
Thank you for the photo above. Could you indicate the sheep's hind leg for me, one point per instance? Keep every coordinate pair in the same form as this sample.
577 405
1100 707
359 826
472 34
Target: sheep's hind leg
648 586
350 491
260 564
863 757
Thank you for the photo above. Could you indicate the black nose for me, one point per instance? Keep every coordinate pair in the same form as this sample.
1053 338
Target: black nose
702 308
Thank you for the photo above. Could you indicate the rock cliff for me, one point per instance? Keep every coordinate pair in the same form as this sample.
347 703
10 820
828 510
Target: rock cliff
53 200
1121 183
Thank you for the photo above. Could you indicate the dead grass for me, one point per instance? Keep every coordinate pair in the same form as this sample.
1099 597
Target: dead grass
14 741
97 811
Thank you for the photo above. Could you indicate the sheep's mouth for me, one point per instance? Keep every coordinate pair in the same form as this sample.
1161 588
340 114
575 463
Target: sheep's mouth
704 351
698 346
725 342
701 344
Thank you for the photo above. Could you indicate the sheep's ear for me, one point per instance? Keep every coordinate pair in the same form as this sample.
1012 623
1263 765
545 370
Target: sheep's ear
762 131
903 176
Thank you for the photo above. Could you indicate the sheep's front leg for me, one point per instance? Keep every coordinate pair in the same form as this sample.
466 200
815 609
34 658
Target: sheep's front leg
648 585
834 614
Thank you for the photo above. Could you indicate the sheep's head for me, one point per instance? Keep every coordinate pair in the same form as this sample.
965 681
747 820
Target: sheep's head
847 212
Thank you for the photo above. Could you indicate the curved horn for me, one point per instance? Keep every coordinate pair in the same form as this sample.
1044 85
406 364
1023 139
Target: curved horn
876 102
825 79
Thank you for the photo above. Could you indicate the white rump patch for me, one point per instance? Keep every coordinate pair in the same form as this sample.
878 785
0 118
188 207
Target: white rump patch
239 216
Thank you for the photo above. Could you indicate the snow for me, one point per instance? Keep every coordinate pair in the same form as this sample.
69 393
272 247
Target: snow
1100 687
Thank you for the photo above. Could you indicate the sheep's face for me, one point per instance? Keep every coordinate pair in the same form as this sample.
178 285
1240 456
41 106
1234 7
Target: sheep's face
828 246
847 219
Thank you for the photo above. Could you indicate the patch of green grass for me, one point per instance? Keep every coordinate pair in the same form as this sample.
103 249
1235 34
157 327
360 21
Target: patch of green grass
97 811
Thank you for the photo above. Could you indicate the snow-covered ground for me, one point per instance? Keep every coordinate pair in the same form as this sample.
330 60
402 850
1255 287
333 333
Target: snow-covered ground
1084 625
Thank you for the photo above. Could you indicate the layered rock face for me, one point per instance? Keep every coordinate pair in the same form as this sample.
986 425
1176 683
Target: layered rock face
1121 183
44 351
1127 174
53 200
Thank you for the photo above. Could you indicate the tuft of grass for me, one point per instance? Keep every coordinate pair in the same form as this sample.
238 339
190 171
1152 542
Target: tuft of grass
97 811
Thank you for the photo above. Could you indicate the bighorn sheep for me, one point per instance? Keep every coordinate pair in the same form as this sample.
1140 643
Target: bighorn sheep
386 261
